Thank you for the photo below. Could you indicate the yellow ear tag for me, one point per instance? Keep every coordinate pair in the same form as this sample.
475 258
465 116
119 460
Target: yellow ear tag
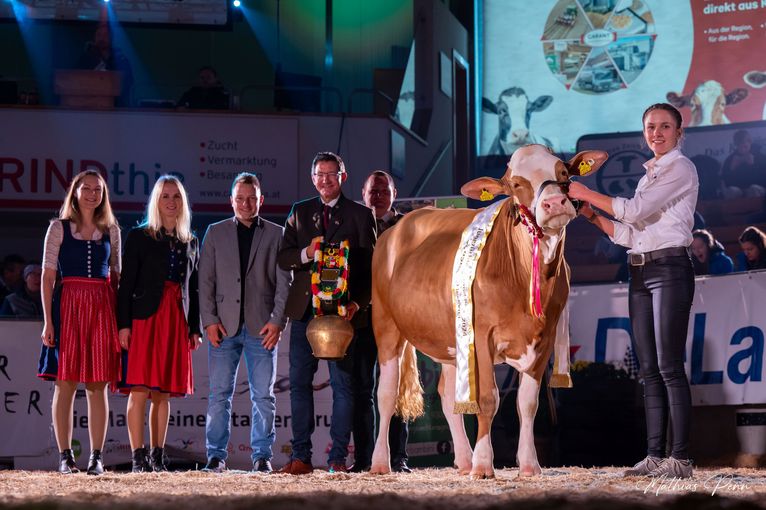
585 167
486 195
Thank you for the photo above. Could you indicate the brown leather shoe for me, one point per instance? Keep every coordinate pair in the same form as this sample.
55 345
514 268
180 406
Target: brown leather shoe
297 467
338 467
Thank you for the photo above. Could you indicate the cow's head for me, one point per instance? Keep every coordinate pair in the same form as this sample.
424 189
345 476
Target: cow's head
514 110
707 102
538 180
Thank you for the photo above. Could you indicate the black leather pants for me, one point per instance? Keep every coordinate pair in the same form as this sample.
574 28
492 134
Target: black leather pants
660 301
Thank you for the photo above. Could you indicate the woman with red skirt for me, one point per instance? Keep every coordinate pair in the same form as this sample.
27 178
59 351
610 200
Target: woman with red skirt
80 333
158 317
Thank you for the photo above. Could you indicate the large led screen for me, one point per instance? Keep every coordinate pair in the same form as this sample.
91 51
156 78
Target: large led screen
554 70
184 12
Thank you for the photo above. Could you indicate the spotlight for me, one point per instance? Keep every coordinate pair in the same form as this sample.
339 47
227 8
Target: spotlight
237 3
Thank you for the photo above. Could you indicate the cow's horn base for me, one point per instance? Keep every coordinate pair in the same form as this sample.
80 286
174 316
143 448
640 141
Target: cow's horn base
329 336
561 381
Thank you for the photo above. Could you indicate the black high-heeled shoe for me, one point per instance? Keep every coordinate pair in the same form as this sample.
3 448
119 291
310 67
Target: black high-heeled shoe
95 463
141 461
158 460
67 465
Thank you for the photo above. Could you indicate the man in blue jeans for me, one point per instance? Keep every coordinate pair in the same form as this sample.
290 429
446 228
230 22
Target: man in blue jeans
242 304
333 218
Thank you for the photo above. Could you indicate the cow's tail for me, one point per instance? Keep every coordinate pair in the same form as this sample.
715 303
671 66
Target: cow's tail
409 403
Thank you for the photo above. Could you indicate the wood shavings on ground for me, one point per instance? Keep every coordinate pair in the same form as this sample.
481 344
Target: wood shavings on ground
436 489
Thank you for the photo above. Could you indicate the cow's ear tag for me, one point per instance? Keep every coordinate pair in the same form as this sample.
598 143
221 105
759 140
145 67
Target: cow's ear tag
486 195
585 166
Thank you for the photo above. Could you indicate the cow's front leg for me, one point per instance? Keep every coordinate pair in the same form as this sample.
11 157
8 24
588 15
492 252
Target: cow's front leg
463 452
526 405
483 456
388 389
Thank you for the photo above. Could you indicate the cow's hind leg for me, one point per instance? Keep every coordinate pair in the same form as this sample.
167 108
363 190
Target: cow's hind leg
463 452
526 405
390 343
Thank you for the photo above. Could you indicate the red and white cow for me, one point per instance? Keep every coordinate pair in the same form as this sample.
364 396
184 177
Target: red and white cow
707 103
413 307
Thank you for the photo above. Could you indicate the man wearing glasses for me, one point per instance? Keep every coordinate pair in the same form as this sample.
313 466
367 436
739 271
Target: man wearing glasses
332 218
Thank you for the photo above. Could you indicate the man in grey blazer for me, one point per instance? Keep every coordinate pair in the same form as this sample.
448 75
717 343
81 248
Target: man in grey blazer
242 303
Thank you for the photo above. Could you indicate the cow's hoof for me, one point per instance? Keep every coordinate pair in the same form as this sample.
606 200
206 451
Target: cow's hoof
530 470
482 474
380 469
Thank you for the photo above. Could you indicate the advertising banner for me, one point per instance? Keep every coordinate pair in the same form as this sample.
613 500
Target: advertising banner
45 148
724 344
724 363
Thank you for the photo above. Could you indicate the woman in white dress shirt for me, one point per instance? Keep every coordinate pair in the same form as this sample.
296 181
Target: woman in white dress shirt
656 227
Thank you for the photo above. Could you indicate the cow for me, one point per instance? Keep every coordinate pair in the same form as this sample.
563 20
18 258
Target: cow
413 309
707 103
514 110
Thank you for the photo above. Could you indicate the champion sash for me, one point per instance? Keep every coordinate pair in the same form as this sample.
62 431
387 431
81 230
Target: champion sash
463 273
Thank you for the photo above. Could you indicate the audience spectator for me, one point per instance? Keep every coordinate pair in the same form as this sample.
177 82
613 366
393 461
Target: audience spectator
753 254
25 302
744 171
709 174
208 94
10 280
708 256
101 55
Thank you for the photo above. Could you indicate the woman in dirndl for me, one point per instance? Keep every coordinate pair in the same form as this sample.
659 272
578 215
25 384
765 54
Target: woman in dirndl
158 317
80 333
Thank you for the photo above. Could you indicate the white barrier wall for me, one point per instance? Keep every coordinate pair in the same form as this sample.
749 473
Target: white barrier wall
725 349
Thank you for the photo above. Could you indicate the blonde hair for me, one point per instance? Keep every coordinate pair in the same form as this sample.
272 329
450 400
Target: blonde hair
103 216
153 221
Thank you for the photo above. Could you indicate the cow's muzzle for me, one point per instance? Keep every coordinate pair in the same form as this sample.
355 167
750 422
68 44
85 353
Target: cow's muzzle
564 187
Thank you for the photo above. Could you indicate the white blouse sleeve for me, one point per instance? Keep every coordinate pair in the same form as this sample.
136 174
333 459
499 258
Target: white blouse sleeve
53 239
115 258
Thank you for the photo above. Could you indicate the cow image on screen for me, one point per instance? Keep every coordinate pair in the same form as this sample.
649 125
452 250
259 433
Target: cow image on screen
514 111
708 103
412 282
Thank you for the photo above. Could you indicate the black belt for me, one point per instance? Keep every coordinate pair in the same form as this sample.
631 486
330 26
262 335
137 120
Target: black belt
639 259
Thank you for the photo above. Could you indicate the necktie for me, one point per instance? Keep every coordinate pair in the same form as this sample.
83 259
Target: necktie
325 216
382 225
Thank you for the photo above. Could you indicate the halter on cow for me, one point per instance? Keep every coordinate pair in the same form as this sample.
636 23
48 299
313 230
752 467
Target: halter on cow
413 308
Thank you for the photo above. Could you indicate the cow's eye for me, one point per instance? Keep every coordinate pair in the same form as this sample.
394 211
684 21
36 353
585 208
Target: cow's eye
516 185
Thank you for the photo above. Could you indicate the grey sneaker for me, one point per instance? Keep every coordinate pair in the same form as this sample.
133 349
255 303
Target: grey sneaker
673 468
644 467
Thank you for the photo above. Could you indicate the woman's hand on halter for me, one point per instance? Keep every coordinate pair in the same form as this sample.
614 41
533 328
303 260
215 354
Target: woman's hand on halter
195 340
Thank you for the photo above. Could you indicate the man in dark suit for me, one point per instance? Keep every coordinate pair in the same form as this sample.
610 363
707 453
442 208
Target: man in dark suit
333 218
242 296
378 193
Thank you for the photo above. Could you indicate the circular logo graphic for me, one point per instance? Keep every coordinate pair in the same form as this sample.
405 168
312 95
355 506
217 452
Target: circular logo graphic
598 46
621 173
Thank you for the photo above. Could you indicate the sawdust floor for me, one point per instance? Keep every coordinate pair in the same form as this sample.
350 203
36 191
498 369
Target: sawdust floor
437 489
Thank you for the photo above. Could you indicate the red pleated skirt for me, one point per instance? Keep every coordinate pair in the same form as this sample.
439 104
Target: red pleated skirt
89 348
159 357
